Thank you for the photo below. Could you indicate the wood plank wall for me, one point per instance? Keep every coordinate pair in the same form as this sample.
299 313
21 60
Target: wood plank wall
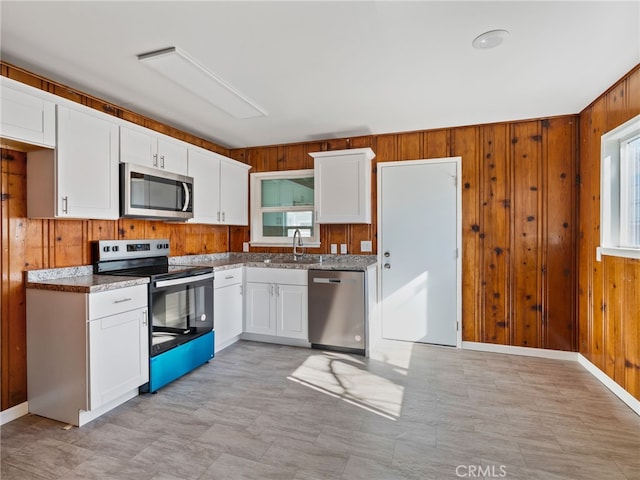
520 207
519 220
609 290
29 244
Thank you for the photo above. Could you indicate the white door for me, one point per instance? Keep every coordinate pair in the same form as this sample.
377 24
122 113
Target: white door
87 162
227 313
234 193
418 250
118 355
172 155
205 170
138 146
260 308
292 311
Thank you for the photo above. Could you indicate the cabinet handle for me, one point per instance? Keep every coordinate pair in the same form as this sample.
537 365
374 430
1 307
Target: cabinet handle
65 204
218 216
223 216
229 277
145 318
241 290
277 290
162 161
122 300
155 159
271 289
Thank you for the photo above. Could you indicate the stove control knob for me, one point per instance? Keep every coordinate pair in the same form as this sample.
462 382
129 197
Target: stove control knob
159 246
115 248
106 249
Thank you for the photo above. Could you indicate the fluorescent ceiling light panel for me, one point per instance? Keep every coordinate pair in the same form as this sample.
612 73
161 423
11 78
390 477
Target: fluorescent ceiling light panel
180 68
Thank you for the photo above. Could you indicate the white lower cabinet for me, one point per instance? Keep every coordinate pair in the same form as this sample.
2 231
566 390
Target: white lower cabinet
276 303
228 306
86 353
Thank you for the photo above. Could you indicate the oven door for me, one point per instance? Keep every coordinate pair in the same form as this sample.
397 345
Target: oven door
153 193
181 310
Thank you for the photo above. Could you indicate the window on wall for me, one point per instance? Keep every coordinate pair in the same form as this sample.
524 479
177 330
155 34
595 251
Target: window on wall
281 203
620 193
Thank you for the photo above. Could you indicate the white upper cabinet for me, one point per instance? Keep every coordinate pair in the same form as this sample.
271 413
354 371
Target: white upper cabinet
204 167
145 147
343 185
26 117
79 179
221 189
234 192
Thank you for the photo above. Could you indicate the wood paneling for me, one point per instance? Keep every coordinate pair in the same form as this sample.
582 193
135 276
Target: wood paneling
29 244
559 233
15 234
466 144
608 307
513 176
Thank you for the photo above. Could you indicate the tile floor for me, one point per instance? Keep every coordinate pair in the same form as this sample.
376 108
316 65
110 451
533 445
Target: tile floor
261 411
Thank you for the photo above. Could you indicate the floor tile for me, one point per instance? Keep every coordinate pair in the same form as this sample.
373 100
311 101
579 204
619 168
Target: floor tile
409 412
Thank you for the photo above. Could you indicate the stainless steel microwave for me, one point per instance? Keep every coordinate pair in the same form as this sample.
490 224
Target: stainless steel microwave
153 193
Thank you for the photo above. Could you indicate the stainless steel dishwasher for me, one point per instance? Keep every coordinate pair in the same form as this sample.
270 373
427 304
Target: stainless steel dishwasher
337 310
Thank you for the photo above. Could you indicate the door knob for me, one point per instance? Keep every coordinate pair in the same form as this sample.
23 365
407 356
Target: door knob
387 266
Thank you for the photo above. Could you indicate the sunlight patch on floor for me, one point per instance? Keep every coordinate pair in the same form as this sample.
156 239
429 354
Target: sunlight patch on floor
345 377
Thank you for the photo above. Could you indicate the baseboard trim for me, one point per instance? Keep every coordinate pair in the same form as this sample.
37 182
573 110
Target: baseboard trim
12 413
607 381
524 351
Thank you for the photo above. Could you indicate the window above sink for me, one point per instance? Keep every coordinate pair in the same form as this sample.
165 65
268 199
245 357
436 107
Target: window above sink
282 202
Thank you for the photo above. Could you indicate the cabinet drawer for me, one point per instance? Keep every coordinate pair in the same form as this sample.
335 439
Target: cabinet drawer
288 276
111 302
224 278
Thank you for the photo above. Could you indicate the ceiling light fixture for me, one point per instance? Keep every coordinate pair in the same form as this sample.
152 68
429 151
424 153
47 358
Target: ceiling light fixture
183 70
490 39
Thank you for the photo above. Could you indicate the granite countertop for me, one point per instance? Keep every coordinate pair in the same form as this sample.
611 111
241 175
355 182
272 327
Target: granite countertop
82 280
78 280
269 260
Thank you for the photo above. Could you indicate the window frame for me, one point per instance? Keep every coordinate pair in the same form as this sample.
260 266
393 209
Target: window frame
257 239
614 185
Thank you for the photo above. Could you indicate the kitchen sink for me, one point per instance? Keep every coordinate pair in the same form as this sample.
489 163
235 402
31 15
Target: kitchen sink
300 261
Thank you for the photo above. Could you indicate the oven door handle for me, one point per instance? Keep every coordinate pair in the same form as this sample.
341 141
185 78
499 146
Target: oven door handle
182 281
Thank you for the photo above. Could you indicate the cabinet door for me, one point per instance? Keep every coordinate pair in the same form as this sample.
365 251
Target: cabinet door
260 308
172 155
234 193
118 355
343 186
27 118
227 317
87 165
292 311
138 146
205 170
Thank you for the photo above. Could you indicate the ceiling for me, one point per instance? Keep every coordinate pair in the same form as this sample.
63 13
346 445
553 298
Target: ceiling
332 69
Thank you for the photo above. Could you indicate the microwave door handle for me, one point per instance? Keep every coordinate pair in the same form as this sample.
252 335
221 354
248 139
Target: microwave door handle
187 197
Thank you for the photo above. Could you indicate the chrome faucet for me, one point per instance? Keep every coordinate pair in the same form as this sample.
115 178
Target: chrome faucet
296 253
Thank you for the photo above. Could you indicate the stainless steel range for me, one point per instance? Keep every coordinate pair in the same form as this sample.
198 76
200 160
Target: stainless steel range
180 305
